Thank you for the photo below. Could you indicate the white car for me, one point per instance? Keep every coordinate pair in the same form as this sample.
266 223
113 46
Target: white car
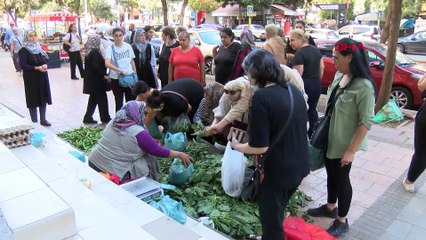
321 33
360 32
257 30
205 40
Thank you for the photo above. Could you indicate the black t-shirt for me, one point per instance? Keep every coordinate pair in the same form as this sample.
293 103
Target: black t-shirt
289 49
224 62
288 161
163 62
310 58
174 105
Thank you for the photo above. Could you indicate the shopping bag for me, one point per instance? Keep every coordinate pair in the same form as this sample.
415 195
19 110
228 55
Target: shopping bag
316 158
175 141
128 80
389 113
182 123
178 173
171 208
233 168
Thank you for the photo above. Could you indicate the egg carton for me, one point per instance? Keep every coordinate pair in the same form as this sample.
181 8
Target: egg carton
16 136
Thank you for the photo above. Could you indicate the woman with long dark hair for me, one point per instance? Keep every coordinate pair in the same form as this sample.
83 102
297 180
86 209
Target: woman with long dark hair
285 163
353 95
170 42
224 56
73 40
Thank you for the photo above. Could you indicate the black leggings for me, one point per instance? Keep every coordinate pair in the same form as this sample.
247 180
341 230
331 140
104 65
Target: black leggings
75 60
119 92
418 162
272 203
313 90
338 185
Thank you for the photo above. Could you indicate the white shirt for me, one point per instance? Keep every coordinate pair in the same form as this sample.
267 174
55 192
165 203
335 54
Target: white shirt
122 58
75 41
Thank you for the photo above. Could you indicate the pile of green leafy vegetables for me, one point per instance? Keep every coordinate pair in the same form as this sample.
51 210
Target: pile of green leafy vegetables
203 195
83 138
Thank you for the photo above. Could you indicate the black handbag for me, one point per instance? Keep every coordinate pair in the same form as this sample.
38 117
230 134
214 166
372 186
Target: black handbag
319 137
67 47
254 174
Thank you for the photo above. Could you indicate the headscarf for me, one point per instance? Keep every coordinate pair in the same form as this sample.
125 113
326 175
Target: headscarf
247 38
130 114
214 92
140 46
35 48
93 42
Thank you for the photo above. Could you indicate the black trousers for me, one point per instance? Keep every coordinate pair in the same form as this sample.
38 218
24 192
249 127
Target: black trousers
33 113
119 92
75 59
313 90
272 203
16 62
339 185
101 100
418 162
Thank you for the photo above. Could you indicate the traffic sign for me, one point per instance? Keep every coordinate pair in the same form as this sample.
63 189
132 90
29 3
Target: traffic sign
249 10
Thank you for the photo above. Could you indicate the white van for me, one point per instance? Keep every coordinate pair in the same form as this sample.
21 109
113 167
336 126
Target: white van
360 32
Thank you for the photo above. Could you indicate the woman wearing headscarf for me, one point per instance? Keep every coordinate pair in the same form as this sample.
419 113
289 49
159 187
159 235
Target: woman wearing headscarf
233 107
212 94
126 148
36 81
144 59
96 81
247 44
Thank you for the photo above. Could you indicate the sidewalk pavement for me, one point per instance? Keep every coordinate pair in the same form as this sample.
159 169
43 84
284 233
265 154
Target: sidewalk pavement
381 208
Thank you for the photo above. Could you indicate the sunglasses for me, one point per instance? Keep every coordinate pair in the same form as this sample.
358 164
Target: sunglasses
232 92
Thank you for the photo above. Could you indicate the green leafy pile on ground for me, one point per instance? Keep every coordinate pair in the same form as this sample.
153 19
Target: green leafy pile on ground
202 195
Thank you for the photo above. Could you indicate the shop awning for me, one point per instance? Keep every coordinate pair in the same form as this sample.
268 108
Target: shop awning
53 16
283 10
230 11
368 17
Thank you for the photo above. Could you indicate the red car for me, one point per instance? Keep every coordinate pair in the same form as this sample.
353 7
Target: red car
406 74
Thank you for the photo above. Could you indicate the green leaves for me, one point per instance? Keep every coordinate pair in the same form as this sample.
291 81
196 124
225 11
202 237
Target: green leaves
83 138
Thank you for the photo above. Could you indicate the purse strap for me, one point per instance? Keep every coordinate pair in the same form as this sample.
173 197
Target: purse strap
334 97
287 123
113 55
177 94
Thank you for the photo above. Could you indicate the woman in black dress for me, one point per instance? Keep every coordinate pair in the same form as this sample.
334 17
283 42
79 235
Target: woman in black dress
95 81
224 56
144 59
36 81
169 38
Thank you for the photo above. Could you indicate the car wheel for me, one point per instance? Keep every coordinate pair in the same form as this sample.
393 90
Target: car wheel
402 96
401 48
209 62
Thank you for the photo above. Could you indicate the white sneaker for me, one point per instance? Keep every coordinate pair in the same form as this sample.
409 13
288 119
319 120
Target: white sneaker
408 187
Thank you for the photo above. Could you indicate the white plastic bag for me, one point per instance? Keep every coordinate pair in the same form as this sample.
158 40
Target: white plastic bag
233 168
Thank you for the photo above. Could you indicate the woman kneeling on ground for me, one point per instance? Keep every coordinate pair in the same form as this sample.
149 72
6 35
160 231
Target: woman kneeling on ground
126 147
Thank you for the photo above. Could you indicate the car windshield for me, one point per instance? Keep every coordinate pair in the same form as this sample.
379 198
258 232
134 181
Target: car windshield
211 37
332 35
401 59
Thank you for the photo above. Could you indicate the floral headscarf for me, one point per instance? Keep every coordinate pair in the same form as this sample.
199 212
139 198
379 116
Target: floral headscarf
93 42
247 38
130 114
140 46
213 92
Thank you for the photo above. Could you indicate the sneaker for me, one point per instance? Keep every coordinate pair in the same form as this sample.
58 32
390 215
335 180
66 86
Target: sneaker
74 78
338 228
322 211
409 187
90 121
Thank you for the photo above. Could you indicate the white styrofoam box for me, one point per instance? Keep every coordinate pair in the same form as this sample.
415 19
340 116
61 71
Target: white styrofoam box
190 222
39 215
3 148
118 228
157 229
70 189
92 211
29 155
84 171
113 194
207 232
48 171
140 212
18 182
75 237
8 162
52 138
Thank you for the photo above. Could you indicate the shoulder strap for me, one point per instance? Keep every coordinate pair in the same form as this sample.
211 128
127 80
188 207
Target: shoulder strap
283 130
113 55
334 96
177 94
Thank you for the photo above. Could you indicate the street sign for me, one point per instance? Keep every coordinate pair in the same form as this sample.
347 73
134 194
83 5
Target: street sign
250 10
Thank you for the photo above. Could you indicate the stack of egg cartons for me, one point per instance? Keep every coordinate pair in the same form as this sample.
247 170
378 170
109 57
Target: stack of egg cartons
16 136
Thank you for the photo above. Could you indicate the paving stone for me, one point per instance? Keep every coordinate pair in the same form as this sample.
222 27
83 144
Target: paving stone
399 229
417 233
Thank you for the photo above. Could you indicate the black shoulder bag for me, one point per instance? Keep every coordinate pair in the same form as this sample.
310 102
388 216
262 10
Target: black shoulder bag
254 175
67 47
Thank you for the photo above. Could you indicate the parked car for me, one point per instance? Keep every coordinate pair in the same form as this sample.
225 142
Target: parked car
209 26
205 40
156 42
406 74
321 33
257 30
414 43
360 32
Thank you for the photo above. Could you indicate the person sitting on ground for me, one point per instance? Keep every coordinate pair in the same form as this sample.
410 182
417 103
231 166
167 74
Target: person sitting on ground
126 148
232 110
212 94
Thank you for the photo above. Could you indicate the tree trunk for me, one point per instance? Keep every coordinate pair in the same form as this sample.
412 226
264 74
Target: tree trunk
182 11
384 35
165 20
240 13
77 2
393 20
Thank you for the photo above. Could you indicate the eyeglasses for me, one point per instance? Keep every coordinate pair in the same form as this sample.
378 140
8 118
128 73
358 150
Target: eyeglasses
335 59
118 35
232 92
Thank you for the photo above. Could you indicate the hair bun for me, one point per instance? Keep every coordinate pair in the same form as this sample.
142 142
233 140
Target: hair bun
156 93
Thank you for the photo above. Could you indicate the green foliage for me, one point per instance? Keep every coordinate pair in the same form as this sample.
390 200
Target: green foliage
202 195
367 6
204 5
50 7
128 4
101 9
